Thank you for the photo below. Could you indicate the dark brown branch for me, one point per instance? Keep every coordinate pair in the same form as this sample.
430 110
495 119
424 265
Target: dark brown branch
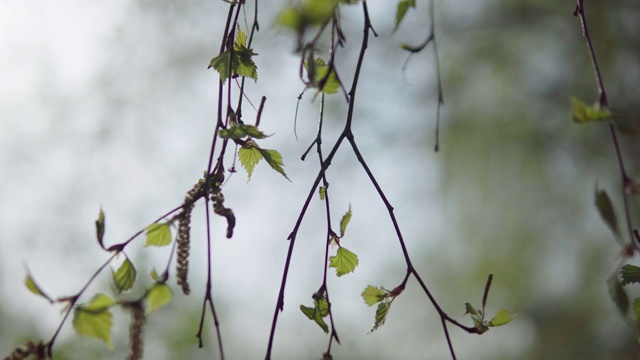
603 102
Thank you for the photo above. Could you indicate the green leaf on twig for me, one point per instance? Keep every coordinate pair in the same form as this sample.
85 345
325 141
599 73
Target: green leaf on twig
381 314
240 131
236 62
125 276
159 295
34 288
318 312
346 218
308 13
618 294
629 274
250 155
158 234
606 210
373 295
94 319
344 262
317 71
274 159
403 7
581 112
636 309
100 227
502 317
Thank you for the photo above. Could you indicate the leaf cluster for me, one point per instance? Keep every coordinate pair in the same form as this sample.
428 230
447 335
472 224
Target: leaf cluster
236 60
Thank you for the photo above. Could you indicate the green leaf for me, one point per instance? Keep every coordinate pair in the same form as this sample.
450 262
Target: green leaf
274 159
238 62
318 312
581 112
345 221
323 192
636 309
373 295
316 315
630 274
158 234
249 156
618 295
318 73
309 13
502 317
159 278
159 295
237 132
605 208
636 316
322 305
241 39
100 227
470 309
345 261
125 276
98 303
34 288
94 319
381 314
403 7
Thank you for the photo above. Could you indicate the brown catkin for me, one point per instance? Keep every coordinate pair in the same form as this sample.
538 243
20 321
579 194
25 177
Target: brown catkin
36 350
218 207
184 245
183 241
136 343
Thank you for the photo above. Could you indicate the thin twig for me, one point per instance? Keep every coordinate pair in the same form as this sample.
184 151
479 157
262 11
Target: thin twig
603 102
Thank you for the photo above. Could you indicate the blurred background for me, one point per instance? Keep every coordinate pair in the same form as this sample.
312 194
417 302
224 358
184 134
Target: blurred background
110 104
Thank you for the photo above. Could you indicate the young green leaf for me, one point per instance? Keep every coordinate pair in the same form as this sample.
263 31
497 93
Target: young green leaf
249 156
274 159
125 276
502 317
158 234
322 305
317 72
605 208
100 227
316 315
636 316
94 319
636 309
159 295
373 295
34 288
158 278
403 7
345 221
309 13
98 303
238 62
381 314
344 262
240 131
630 274
581 112
323 191
618 295
470 309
